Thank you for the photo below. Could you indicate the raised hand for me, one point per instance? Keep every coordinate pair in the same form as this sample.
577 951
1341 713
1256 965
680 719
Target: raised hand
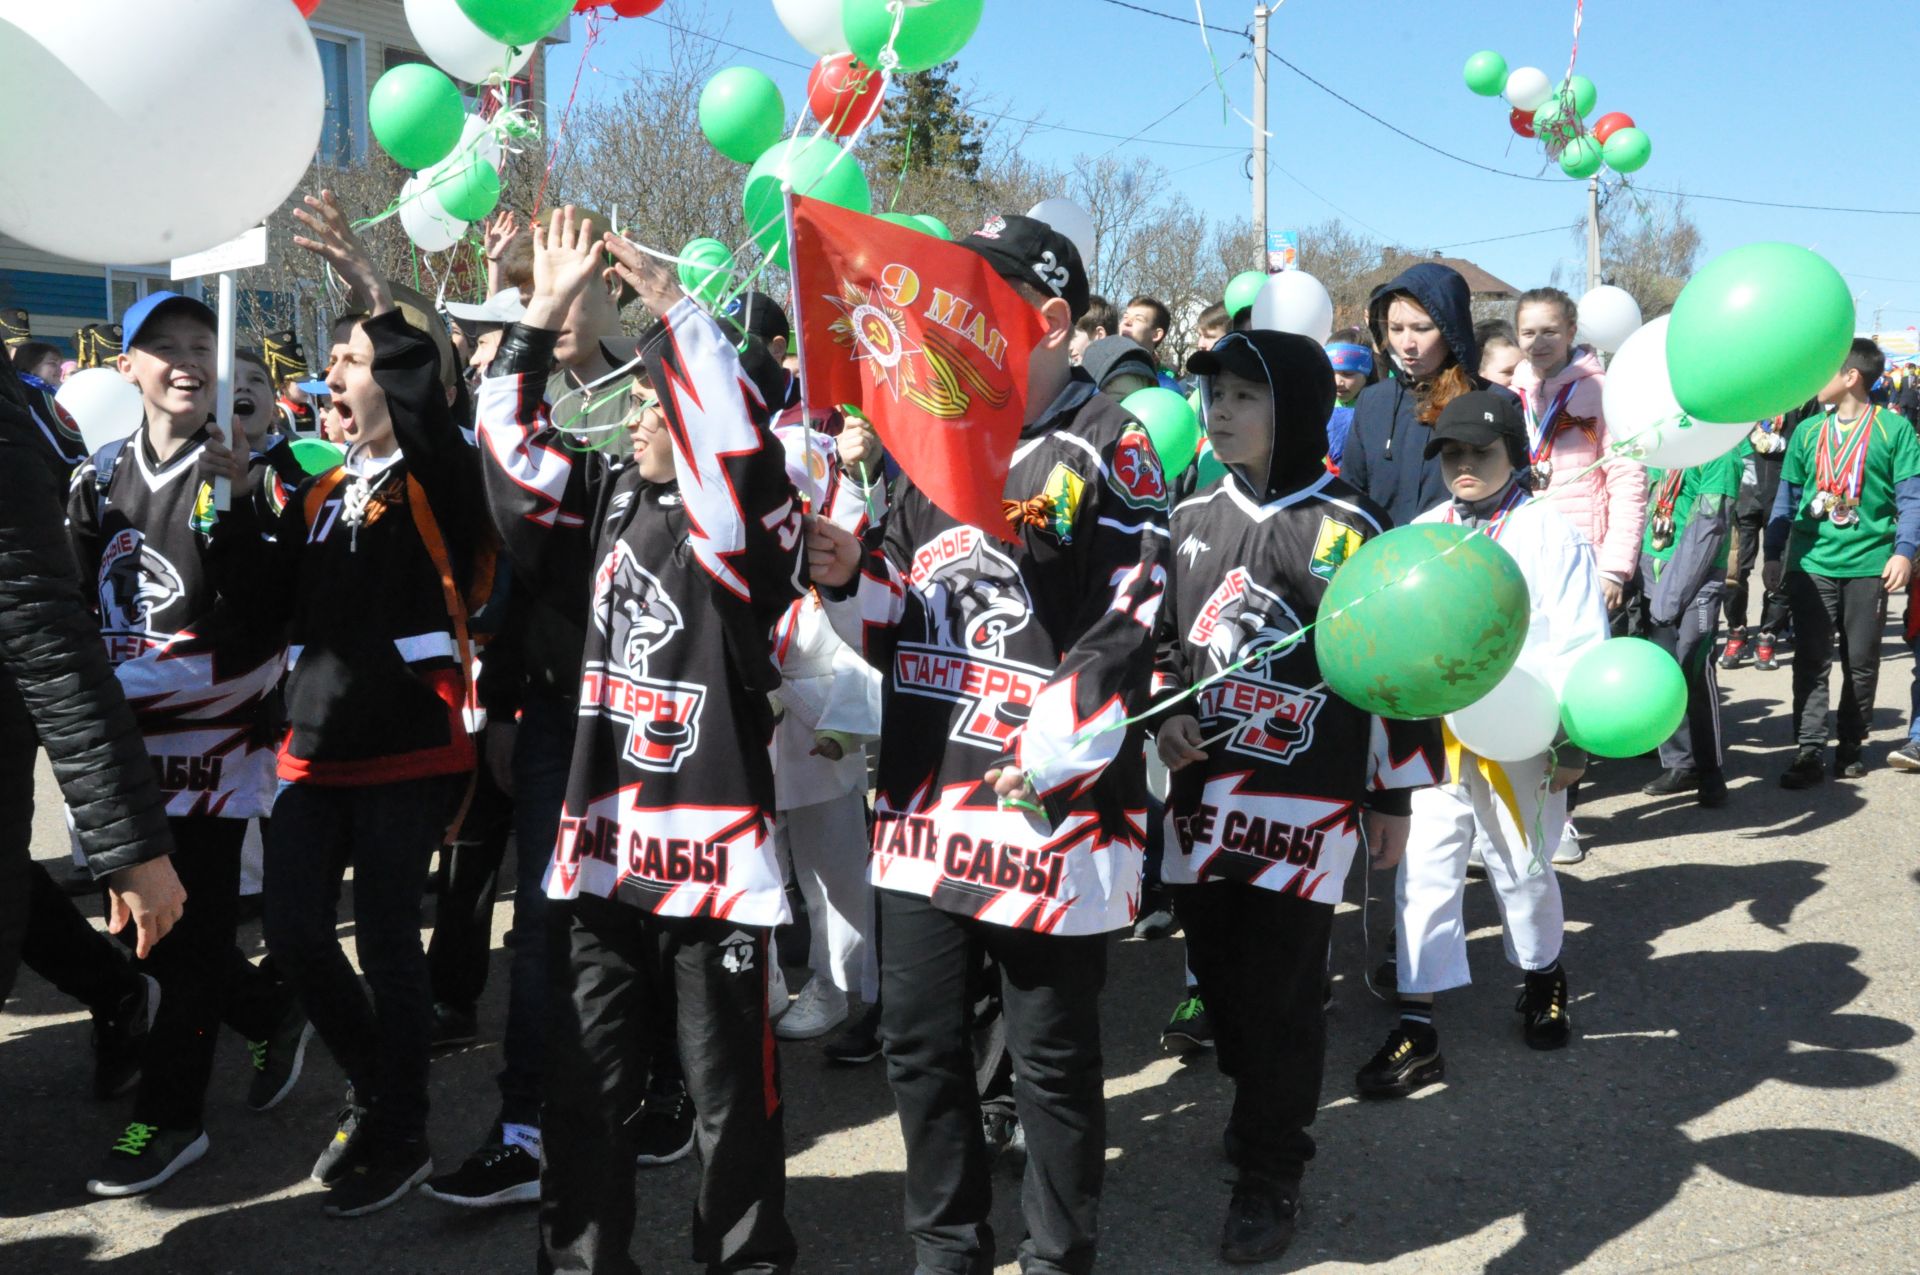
654 281
331 238
566 262
499 233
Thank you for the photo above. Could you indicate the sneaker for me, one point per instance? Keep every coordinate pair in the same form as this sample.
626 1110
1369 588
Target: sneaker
1402 1066
342 1149
1156 919
1809 770
857 1042
998 1128
382 1174
277 1060
1906 757
1544 1002
146 1156
1568 851
453 1026
1737 652
118 1037
818 1009
778 1000
498 1173
1763 655
1673 780
1713 790
1260 1220
1386 975
1847 763
1190 1028
663 1132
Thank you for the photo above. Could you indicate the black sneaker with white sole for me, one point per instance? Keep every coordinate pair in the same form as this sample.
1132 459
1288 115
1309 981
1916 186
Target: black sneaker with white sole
144 1157
857 1041
384 1171
663 1130
119 1034
1190 1028
498 1173
1906 757
277 1060
343 1148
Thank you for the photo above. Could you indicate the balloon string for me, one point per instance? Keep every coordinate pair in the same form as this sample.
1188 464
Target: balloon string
566 112
1226 99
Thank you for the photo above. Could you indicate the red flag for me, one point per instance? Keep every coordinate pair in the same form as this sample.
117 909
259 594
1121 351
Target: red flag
926 340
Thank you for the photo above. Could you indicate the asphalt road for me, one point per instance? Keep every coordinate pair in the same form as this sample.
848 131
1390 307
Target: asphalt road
1741 1094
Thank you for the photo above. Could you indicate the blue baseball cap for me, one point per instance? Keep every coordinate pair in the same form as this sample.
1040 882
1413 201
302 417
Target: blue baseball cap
141 312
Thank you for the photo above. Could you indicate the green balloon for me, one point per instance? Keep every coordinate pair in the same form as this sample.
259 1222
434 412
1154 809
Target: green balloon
706 268
742 113
516 22
808 164
470 190
1623 698
905 220
1581 158
1207 468
1170 423
1549 116
931 31
1757 331
934 226
1242 289
1627 150
316 455
1486 73
416 115
1585 95
1421 621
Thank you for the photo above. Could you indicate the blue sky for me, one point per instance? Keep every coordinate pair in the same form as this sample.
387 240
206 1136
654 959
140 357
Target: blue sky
1762 100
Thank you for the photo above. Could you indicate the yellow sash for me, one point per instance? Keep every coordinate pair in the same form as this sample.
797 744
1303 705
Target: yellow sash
1491 771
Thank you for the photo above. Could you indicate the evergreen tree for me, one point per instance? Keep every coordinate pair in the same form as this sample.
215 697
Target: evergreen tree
924 128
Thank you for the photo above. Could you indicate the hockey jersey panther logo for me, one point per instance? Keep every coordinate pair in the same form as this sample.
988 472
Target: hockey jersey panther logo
1242 619
974 596
639 618
136 582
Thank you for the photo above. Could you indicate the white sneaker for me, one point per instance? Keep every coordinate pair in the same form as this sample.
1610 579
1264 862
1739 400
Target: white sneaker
1569 850
777 1002
818 1009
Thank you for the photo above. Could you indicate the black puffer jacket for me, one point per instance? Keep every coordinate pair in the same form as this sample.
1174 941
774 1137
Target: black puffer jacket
50 651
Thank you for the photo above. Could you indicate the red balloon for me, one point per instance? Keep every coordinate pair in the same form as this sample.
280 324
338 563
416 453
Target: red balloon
306 7
1521 122
843 93
636 8
1607 125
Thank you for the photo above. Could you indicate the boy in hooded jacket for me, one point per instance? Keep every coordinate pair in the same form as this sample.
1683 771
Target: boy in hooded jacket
1271 771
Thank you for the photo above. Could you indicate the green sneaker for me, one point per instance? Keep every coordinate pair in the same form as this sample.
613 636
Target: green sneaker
144 1157
1190 1028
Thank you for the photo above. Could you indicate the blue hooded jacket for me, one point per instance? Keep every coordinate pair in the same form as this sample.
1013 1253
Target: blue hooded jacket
1385 452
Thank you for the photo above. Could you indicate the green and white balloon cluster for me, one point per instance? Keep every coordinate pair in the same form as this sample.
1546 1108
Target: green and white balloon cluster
1556 116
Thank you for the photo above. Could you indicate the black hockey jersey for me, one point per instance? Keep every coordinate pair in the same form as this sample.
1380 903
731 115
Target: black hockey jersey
196 670
1034 652
670 796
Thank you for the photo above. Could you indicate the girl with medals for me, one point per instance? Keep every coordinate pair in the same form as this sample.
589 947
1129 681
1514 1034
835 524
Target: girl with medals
1848 543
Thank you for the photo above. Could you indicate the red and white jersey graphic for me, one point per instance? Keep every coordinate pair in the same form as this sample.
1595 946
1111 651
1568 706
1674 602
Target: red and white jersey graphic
1276 840
683 861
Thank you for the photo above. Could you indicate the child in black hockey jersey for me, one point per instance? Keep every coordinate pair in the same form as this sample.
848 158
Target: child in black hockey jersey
197 671
689 551
1271 771
369 565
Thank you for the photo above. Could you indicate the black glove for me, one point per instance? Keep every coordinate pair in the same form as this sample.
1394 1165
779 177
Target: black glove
1770 573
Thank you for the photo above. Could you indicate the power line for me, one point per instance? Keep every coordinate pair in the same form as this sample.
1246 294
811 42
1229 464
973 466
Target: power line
1524 234
1169 114
1175 17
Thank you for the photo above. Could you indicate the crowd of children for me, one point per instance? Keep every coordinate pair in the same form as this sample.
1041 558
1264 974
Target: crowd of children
630 609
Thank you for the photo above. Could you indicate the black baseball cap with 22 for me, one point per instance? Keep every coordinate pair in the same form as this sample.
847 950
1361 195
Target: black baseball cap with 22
1028 250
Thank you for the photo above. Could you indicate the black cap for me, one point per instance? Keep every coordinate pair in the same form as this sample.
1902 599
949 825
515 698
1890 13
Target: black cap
1027 250
1479 417
1111 355
757 314
1237 357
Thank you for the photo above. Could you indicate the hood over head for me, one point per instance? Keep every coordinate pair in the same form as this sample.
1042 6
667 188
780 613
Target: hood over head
1295 368
1442 293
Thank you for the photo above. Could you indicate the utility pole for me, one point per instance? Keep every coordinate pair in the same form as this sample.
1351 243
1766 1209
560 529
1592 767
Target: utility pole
1260 15
1593 232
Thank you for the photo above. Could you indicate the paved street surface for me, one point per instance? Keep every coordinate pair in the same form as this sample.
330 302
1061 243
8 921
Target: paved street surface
1741 1094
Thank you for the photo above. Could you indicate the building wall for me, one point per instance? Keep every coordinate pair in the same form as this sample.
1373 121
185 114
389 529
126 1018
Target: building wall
61 296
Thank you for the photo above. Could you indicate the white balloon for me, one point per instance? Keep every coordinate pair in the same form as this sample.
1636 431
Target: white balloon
104 404
1644 419
1071 220
126 143
1515 720
814 24
431 227
477 137
458 47
1294 301
1528 88
1608 316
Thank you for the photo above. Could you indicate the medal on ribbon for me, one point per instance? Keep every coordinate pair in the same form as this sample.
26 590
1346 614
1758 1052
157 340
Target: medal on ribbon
1840 469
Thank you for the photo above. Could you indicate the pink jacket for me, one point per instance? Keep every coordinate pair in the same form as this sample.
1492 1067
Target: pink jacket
1608 505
